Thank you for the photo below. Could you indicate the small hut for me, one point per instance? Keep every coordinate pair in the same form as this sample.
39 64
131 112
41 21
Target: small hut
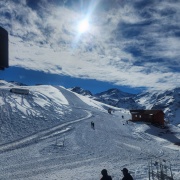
151 116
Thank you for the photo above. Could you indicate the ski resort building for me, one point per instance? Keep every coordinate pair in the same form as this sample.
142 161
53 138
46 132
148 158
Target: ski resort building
151 116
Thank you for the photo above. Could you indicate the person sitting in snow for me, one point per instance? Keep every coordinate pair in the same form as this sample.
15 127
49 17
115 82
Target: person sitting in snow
105 175
126 174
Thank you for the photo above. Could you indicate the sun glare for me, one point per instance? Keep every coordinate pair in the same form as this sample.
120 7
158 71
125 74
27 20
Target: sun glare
83 26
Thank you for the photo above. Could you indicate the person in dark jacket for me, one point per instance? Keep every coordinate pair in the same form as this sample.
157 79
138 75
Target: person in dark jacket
109 110
92 125
126 174
105 175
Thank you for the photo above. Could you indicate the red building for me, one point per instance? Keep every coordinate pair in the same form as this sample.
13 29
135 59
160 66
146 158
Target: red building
152 116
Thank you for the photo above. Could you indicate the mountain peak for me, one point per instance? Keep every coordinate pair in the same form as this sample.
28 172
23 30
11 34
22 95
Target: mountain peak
81 91
114 93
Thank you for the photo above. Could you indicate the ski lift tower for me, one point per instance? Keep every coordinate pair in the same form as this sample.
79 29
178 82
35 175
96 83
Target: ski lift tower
4 49
160 170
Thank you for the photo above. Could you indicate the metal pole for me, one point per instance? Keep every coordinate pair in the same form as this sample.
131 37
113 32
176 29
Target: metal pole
149 171
171 171
152 170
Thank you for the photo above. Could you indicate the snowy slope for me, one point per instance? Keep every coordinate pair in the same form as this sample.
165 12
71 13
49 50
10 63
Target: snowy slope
22 115
47 135
168 101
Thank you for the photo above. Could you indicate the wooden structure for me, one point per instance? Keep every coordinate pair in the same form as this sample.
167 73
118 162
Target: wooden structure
151 116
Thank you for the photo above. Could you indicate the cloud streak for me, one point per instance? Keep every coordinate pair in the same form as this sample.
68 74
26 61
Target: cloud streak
135 44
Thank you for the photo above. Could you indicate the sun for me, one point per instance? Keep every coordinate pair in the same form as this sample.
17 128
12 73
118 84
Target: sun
83 26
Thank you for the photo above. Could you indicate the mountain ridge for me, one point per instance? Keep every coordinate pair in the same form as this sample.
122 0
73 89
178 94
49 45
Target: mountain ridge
167 100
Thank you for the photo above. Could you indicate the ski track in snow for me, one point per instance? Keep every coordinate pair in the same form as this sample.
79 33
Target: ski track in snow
39 135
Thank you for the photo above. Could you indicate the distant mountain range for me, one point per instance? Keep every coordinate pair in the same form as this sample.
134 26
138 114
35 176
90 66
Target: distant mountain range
168 101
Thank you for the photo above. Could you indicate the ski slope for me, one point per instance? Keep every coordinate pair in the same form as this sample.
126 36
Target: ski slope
47 135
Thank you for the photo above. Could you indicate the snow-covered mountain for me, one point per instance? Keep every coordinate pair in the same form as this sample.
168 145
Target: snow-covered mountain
113 97
168 101
113 94
81 91
44 108
47 134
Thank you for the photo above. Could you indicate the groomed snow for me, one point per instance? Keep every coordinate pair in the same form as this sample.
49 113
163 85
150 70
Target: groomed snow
47 135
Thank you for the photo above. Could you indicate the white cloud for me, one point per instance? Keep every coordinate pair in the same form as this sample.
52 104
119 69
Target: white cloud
123 45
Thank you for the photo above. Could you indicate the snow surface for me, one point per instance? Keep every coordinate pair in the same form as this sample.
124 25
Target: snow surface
47 135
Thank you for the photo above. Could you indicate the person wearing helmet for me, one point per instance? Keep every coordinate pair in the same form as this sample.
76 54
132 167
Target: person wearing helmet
126 174
105 175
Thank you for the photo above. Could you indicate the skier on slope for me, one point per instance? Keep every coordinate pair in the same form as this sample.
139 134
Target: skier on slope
92 125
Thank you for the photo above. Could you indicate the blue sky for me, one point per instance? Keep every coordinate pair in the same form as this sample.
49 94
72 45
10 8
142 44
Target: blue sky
31 77
130 45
